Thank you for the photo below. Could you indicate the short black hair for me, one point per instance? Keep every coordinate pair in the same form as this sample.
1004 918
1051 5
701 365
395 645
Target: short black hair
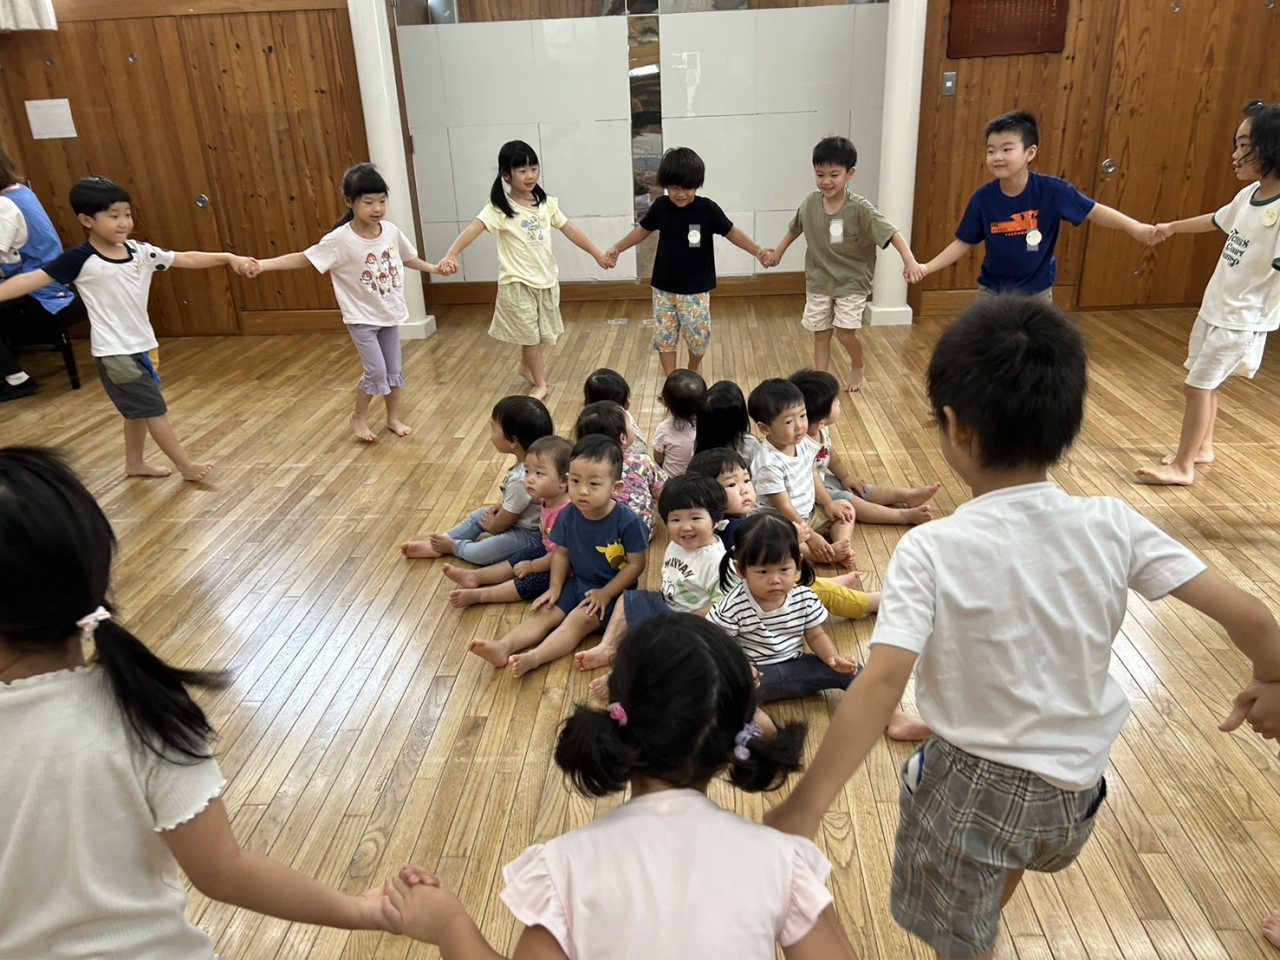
604 417
681 167
693 491
718 460
764 538
722 419
523 420
682 394
598 448
1018 121
820 390
606 384
835 150
1013 370
1264 135
771 397
555 449
93 195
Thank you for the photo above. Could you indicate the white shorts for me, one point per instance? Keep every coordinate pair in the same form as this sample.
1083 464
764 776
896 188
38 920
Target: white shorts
822 312
1216 353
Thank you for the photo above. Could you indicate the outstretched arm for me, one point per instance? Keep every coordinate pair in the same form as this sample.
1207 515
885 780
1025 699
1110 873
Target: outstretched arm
23 284
289 261
417 263
194 260
911 269
583 243
449 262
636 235
772 256
1201 224
743 242
950 254
1113 219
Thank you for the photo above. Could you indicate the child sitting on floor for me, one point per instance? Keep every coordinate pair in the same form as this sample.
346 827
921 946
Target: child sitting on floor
606 384
674 439
512 525
642 479
527 575
725 422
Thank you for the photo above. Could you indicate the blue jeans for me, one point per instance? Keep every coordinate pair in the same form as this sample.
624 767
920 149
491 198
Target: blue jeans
494 548
797 678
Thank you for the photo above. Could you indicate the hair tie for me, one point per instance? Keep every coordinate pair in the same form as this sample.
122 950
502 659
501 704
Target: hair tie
742 739
89 623
617 714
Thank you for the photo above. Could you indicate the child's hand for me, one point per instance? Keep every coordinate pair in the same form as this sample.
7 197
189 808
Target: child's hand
547 600
1142 232
1258 703
422 911
840 511
755 677
523 569
246 266
841 665
768 257
449 266
822 551
913 272
1160 232
612 255
856 485
803 530
605 263
595 602
486 522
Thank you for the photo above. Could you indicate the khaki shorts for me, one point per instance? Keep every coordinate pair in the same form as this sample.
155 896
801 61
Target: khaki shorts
526 315
822 312
1216 353
819 522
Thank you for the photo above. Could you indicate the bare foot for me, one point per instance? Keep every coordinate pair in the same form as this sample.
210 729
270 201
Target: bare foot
361 429
921 495
146 470
522 663
844 554
493 651
1166 476
766 722
419 550
525 374
601 655
399 428
903 726
855 386
599 687
442 544
917 515
540 393
199 473
464 598
852 580
1204 456
463 578
1271 928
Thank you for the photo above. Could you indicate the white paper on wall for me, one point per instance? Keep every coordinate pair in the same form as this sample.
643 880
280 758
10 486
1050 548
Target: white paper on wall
50 119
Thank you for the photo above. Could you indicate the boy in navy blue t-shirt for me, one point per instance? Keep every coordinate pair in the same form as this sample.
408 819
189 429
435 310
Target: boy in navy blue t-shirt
1017 215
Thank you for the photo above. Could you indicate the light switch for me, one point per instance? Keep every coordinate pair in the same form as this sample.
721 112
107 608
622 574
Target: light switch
949 83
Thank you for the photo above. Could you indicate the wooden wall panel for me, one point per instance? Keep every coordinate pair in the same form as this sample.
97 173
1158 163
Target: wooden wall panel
68 11
10 134
1066 91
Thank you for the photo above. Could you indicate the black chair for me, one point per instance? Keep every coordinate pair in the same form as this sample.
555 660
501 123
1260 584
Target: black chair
24 322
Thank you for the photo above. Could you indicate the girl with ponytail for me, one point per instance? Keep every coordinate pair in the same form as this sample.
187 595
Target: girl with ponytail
669 873
108 781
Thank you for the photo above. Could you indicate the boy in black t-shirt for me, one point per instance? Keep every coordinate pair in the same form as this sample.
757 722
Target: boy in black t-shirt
684 270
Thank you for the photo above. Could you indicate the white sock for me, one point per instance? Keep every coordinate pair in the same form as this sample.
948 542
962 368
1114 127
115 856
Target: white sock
13 379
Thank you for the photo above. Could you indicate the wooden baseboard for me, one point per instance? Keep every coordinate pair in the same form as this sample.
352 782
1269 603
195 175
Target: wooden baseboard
769 285
268 322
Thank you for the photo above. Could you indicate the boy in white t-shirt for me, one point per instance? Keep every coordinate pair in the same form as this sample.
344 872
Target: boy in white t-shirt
1007 611
113 275
1242 302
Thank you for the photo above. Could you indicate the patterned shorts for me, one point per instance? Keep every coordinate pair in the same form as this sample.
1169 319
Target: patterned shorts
822 312
526 315
674 313
964 824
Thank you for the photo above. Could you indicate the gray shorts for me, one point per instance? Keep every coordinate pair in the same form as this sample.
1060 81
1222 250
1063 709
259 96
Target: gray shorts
132 384
964 824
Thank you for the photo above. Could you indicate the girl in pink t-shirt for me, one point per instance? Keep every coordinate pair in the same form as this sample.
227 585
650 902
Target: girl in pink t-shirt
669 873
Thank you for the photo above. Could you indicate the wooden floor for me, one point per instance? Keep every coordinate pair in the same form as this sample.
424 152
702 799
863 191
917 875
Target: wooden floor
359 734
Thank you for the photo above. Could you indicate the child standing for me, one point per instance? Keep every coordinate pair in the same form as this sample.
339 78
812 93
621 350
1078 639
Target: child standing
606 384
681 703
1242 302
522 215
1018 215
109 783
878 504
604 544
526 575
1023 573
843 231
684 268
674 439
507 528
642 478
113 275
365 256
725 422
785 474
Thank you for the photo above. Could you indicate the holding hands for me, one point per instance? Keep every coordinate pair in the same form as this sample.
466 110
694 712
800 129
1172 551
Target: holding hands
768 257
914 272
245 266
448 266
1159 233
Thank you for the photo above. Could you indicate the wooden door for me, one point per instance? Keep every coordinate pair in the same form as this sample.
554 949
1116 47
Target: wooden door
278 103
127 84
1179 78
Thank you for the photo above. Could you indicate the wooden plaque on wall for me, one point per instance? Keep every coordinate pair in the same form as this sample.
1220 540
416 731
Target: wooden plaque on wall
1002 28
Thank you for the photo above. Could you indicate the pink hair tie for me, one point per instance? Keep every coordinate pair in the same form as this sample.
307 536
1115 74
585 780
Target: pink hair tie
89 623
618 714
742 740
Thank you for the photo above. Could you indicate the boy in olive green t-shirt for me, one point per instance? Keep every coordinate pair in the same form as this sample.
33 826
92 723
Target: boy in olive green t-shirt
843 231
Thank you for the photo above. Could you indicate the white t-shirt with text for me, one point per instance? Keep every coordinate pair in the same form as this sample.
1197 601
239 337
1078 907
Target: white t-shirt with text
1244 291
367 275
691 578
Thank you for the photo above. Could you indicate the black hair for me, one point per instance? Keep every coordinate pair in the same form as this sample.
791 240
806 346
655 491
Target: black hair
93 195
606 384
1019 122
1013 370
686 693
513 155
718 460
682 394
56 547
693 491
771 397
523 420
764 538
820 390
553 448
1264 135
835 150
598 448
358 181
9 174
681 167
722 418
604 417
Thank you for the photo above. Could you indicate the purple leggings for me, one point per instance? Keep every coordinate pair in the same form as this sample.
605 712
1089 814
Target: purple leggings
380 353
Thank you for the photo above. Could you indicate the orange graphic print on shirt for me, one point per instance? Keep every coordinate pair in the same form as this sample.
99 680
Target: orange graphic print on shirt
1018 224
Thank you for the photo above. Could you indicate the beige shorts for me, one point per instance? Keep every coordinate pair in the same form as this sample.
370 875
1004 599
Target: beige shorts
527 315
1216 353
819 522
823 312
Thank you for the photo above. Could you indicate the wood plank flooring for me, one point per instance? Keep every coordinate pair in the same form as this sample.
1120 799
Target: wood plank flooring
359 734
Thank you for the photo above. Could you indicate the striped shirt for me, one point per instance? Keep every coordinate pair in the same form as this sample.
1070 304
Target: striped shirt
773 637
